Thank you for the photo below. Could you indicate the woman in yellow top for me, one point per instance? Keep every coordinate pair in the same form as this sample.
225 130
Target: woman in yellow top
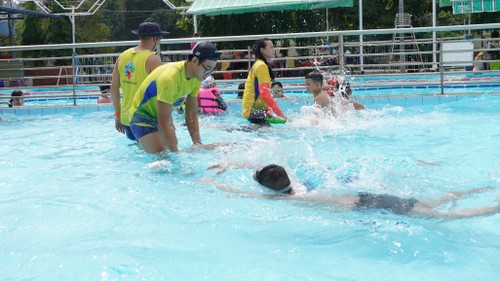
258 105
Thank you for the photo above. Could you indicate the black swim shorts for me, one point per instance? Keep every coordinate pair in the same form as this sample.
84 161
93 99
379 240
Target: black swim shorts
397 205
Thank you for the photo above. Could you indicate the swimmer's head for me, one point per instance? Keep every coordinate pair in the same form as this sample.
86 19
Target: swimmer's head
274 177
208 83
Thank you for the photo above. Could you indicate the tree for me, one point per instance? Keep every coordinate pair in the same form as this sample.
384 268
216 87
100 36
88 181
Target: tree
33 34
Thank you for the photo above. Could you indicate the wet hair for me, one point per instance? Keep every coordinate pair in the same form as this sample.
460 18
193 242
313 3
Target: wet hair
241 89
273 176
315 76
16 93
262 43
277 83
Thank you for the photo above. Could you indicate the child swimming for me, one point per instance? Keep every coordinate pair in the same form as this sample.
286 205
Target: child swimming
275 178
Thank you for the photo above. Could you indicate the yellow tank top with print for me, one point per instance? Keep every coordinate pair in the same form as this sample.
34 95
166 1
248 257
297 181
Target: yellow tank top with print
132 69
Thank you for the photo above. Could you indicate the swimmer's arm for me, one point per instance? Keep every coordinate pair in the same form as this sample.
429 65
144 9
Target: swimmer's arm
323 100
231 165
166 125
115 94
266 95
358 105
225 187
192 119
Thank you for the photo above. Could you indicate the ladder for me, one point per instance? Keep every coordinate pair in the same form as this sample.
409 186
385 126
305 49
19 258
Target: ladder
404 47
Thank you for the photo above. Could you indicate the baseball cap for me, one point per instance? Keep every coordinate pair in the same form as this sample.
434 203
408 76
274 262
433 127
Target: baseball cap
147 29
205 50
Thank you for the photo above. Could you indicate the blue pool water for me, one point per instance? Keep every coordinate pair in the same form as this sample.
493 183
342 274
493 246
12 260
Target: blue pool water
80 202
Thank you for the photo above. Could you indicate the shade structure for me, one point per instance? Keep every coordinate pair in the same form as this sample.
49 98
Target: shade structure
221 7
10 10
471 6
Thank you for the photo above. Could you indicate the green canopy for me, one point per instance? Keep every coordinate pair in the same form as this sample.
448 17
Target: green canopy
220 7
471 6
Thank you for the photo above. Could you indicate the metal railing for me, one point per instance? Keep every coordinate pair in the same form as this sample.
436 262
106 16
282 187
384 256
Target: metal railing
92 63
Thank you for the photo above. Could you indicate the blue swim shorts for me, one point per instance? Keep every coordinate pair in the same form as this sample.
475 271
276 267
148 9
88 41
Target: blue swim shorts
142 125
128 133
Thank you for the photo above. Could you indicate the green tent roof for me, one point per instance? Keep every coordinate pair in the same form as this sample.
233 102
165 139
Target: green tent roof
471 6
220 7
463 7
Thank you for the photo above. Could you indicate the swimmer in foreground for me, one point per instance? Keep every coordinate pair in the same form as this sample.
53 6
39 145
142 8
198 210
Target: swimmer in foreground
276 179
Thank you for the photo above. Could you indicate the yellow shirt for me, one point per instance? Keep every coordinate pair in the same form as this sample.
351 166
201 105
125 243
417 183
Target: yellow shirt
252 101
166 83
132 70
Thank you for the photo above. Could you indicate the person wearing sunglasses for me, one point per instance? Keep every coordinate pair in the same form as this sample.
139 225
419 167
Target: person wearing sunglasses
152 123
277 90
275 178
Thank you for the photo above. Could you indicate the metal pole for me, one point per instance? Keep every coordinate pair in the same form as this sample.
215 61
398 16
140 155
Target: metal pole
441 70
402 46
72 18
434 58
195 23
361 49
327 25
341 54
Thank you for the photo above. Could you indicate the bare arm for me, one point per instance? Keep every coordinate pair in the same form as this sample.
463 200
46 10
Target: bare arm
152 62
228 188
115 94
358 105
192 119
166 125
323 100
234 165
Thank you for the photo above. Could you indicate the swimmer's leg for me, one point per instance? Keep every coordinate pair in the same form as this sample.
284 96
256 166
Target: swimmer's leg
153 143
420 209
454 195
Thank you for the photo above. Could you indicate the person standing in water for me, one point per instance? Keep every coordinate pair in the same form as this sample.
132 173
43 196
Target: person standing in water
131 68
258 105
152 123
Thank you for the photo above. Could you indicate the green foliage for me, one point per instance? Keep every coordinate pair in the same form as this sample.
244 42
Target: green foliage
33 34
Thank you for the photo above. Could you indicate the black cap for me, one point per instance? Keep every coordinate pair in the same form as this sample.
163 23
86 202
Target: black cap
149 29
205 50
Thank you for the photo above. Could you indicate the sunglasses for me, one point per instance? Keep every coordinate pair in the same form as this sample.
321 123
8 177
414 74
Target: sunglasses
207 70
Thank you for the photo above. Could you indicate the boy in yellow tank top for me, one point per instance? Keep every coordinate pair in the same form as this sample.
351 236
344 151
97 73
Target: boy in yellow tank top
130 70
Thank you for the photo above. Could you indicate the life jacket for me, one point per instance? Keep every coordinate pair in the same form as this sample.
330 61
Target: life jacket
210 101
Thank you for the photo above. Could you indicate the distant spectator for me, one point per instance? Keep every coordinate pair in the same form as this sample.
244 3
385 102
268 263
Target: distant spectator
277 90
16 98
105 97
478 63
209 98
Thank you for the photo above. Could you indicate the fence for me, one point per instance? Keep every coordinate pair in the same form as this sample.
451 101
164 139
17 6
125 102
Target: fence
336 51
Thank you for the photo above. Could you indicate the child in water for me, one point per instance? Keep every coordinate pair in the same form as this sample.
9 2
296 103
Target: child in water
275 178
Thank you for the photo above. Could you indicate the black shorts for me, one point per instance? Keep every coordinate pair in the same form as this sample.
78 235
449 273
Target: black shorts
394 204
258 118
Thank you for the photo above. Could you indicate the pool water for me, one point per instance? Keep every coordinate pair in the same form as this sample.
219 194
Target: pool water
80 202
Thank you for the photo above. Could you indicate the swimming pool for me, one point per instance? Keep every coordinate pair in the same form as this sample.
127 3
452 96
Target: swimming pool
79 202
364 87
